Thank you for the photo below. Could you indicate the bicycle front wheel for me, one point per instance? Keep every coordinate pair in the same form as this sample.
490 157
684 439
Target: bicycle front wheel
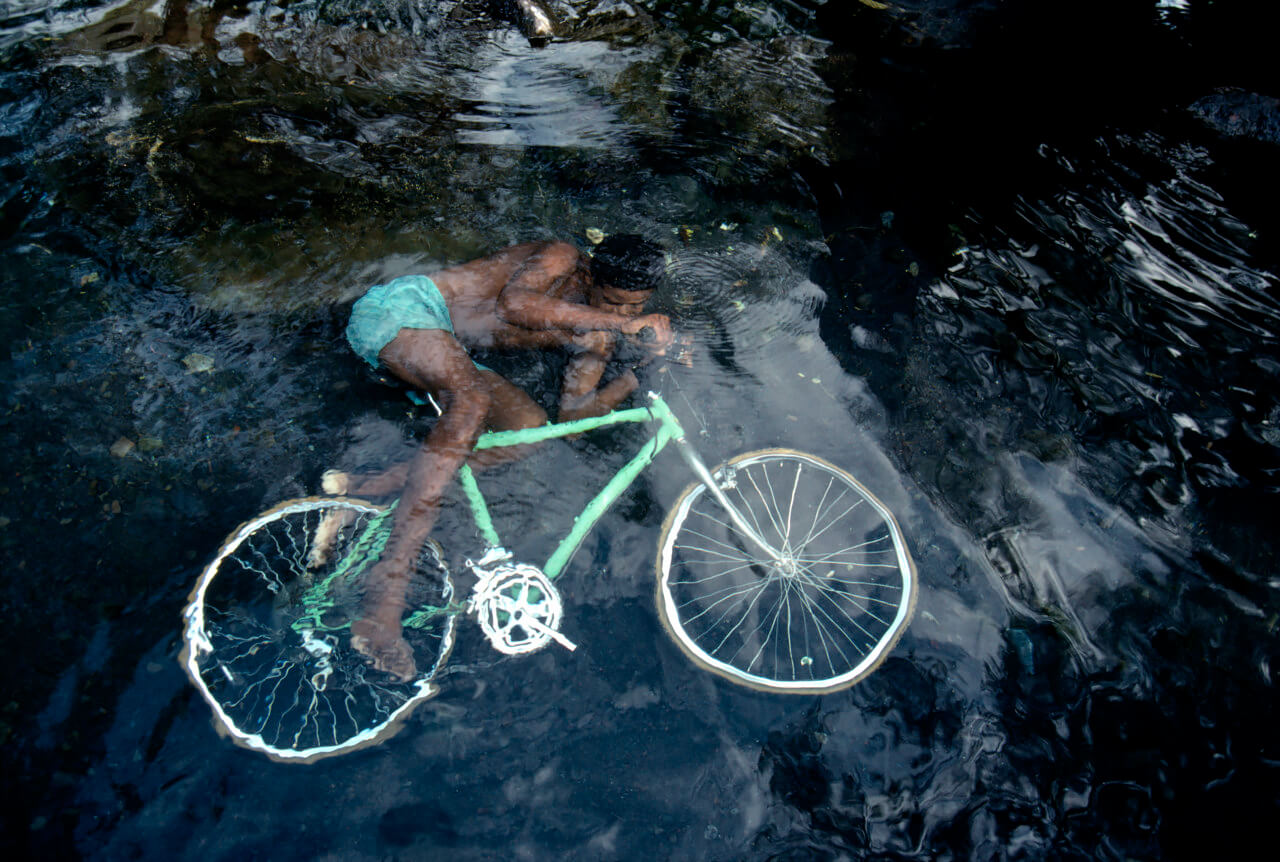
818 617
267 631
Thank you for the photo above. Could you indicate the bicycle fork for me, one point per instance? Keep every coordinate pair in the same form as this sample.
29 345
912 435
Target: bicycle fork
699 468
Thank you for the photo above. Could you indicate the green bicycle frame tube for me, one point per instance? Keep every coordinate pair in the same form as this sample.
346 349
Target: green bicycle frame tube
496 439
668 429
599 504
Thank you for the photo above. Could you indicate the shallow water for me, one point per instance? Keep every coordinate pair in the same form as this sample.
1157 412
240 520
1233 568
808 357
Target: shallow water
1035 313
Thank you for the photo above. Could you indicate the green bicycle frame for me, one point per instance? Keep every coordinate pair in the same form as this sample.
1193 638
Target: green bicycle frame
668 429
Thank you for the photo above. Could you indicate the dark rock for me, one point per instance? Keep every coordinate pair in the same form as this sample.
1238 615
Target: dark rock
1239 114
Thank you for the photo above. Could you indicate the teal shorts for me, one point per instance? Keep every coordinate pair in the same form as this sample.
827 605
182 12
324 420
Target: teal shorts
407 302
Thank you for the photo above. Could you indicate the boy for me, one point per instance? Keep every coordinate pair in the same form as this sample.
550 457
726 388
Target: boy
418 329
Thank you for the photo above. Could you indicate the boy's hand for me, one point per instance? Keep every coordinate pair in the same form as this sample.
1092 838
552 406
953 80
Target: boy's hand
657 339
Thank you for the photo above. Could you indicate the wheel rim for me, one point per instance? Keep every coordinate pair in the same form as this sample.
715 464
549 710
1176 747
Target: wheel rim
821 617
277 667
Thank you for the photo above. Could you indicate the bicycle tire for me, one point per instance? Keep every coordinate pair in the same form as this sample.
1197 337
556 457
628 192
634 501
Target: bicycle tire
267 641
818 623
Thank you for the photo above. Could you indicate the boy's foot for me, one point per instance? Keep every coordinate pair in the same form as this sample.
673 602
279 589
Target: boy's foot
335 482
331 522
385 647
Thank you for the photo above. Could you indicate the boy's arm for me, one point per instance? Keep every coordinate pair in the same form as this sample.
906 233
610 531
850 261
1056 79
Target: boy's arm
530 309
582 395
524 302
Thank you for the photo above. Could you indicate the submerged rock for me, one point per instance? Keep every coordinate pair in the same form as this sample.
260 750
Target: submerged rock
532 17
197 363
125 28
1239 114
541 21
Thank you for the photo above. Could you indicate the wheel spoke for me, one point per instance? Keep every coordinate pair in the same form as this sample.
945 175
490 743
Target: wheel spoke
727 528
768 639
723 556
835 520
852 621
770 510
791 504
745 506
823 583
822 633
745 613
674 582
817 510
859 546
730 594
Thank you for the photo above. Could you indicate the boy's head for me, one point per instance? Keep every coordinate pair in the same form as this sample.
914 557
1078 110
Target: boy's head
628 262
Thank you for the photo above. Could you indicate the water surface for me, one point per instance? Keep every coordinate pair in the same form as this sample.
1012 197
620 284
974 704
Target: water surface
1035 313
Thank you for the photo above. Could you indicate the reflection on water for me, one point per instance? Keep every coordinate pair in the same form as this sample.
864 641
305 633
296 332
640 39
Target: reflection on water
1110 361
527 97
1072 410
1160 325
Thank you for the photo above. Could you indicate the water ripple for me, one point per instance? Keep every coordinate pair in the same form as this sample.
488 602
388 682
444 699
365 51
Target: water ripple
515 95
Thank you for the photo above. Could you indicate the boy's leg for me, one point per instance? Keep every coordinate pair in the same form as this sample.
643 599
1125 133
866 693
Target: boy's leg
433 361
510 408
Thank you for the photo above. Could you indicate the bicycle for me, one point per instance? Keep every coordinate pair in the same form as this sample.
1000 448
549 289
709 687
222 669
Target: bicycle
777 570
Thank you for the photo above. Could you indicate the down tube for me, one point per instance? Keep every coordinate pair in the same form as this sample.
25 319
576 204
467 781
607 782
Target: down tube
602 501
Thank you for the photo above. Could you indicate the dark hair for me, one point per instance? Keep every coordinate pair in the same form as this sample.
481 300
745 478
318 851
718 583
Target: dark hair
628 262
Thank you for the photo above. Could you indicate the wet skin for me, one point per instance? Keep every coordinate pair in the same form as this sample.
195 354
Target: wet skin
534 296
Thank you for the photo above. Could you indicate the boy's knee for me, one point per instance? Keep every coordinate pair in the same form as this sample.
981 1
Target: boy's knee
533 417
512 418
470 403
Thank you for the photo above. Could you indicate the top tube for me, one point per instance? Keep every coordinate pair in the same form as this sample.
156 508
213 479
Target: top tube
658 412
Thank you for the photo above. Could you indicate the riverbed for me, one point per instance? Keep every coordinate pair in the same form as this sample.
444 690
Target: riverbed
1013 267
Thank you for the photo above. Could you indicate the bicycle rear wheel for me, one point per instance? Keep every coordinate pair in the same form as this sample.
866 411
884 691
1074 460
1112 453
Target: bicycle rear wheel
267 631
819 618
